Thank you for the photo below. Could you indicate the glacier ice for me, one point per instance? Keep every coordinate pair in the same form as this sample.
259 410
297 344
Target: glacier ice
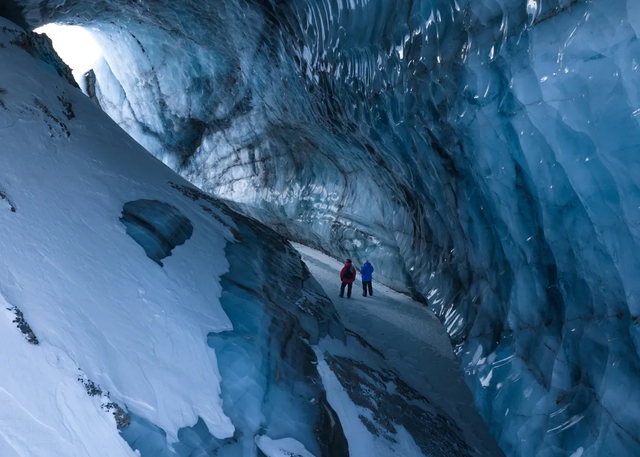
269 379
391 410
156 226
480 153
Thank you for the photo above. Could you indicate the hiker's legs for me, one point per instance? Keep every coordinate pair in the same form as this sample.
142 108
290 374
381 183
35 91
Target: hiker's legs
349 286
370 287
364 288
342 286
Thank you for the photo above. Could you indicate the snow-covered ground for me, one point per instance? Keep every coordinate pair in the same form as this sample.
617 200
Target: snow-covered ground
112 325
413 342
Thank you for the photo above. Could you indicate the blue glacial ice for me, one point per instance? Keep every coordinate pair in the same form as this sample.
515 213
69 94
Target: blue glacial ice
268 376
156 226
482 154
269 380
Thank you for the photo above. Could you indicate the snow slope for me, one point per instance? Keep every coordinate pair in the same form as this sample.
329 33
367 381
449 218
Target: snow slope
412 342
54 415
93 299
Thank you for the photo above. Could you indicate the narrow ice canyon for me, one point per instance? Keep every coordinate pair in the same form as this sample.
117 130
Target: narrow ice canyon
481 154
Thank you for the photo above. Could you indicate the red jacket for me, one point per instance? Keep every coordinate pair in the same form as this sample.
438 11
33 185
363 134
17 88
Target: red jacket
344 270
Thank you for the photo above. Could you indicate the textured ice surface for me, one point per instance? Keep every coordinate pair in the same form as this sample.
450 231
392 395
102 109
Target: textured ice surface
376 402
482 154
269 379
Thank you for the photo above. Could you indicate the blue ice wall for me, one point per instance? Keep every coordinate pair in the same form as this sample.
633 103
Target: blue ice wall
481 153
269 381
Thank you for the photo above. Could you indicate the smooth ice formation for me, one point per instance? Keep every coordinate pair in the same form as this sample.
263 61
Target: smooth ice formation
481 154
156 226
270 383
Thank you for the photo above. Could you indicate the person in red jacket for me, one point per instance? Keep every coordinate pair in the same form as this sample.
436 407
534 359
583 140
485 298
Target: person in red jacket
347 276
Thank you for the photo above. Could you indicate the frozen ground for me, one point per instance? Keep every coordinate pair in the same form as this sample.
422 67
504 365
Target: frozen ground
413 342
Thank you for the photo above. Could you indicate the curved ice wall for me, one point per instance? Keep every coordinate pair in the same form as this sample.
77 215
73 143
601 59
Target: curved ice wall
482 153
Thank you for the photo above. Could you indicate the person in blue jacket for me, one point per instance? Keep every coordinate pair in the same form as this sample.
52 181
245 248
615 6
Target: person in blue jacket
365 272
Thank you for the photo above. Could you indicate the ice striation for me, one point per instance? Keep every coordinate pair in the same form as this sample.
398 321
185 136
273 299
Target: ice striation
482 154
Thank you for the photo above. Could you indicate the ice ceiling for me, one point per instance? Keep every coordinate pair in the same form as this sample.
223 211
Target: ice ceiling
483 154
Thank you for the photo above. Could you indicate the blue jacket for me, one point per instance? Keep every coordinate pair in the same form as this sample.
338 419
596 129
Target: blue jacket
366 271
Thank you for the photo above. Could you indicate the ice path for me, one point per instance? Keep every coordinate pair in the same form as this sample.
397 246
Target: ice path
412 340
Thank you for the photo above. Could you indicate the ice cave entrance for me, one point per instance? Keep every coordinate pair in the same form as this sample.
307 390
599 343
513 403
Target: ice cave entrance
75 45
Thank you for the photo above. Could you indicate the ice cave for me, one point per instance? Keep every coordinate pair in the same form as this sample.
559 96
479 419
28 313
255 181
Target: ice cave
176 207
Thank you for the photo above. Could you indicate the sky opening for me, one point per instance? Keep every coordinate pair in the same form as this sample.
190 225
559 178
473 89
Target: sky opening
74 45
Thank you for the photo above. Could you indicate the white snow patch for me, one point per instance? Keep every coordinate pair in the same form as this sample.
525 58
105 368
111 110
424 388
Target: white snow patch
486 380
578 452
285 447
361 441
45 410
476 356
